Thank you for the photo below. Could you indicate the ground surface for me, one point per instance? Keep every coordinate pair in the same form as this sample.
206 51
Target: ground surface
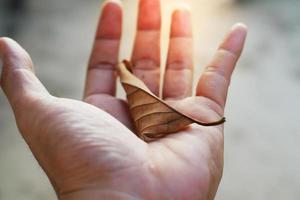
262 133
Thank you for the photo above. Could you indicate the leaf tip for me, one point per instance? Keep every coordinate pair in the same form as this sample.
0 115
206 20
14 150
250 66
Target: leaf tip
127 64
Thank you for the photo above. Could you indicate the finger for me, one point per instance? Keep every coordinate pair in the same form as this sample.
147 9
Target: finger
215 80
179 70
101 74
25 92
146 51
18 80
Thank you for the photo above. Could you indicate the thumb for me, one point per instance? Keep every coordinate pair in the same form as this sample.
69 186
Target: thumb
17 79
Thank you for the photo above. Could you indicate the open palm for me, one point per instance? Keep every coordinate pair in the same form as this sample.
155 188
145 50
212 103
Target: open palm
89 150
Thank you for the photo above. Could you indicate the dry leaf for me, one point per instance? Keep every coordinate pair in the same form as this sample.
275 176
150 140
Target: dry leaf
153 118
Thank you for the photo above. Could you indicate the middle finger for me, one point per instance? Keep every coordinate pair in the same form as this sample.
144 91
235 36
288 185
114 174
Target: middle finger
146 51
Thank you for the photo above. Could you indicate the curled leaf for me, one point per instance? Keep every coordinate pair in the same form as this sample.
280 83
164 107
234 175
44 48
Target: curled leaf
153 118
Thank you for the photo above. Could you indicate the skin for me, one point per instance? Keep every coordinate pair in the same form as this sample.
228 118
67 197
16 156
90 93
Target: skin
87 148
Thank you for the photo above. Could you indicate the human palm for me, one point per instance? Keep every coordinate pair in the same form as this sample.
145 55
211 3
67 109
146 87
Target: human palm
89 149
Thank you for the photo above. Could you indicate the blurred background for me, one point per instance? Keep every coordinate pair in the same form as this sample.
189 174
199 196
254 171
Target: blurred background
262 153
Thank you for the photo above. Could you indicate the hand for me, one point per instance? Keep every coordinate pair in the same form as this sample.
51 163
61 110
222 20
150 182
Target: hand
87 148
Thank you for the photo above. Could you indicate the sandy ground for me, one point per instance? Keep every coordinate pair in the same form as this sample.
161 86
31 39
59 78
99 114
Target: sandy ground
262 133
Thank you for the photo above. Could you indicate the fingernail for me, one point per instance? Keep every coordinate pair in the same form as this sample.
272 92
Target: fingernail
239 26
239 31
183 7
118 2
182 11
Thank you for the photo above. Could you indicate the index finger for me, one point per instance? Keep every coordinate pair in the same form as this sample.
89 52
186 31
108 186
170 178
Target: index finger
215 80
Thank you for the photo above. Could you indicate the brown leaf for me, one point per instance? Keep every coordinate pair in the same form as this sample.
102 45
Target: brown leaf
153 118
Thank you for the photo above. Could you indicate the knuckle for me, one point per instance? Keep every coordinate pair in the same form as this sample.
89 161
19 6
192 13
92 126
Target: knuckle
146 64
227 52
